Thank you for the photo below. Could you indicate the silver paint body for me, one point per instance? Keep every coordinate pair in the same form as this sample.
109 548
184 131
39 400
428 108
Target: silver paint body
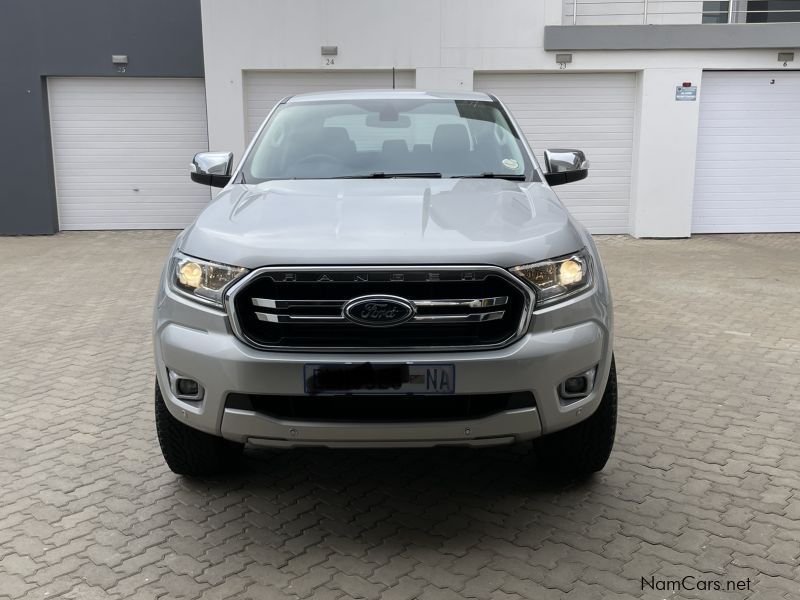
386 222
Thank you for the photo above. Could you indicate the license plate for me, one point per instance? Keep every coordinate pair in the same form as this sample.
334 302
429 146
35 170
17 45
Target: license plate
379 378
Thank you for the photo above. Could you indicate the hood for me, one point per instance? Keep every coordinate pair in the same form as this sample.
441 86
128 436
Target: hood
383 221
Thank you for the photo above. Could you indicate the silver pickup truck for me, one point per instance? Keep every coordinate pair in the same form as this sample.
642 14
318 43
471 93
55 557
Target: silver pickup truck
385 269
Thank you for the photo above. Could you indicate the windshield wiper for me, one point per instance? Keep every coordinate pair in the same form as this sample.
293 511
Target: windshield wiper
382 175
510 176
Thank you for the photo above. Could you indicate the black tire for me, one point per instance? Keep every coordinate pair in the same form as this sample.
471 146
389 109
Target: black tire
583 449
189 451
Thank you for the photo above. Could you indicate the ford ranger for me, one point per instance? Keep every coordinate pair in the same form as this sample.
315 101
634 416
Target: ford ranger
385 269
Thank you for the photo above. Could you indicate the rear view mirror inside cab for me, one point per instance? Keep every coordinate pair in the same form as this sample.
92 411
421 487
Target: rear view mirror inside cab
390 120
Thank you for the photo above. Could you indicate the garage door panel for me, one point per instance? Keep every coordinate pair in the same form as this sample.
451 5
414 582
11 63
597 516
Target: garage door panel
730 204
592 112
714 182
747 175
264 89
610 101
729 193
121 149
754 135
144 129
594 133
108 112
722 117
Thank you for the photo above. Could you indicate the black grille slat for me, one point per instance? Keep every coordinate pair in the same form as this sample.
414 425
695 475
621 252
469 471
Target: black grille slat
380 408
261 300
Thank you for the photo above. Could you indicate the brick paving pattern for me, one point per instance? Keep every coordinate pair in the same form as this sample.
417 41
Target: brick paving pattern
703 481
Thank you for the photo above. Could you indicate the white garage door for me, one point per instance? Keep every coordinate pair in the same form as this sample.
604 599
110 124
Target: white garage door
122 148
748 153
264 89
590 112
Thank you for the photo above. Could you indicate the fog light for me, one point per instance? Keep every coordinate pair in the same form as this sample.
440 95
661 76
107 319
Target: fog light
573 385
577 386
185 388
189 387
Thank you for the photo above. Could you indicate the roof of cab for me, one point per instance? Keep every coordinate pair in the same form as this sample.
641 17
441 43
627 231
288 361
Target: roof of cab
404 94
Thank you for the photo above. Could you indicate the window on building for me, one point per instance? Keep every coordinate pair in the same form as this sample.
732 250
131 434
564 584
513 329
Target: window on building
715 12
751 11
773 11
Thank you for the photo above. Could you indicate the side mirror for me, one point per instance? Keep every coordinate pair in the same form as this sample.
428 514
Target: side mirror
565 166
212 168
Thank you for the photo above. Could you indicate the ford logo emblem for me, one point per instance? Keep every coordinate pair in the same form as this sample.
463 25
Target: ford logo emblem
378 311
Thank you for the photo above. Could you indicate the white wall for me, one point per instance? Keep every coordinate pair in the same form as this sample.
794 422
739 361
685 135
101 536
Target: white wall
446 41
664 151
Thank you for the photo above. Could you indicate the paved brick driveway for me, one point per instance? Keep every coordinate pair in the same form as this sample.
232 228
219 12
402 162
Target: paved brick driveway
704 480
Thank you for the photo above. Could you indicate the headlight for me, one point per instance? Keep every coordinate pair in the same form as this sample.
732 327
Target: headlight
559 278
202 280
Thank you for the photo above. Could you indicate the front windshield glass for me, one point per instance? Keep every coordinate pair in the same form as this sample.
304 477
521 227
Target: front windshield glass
387 138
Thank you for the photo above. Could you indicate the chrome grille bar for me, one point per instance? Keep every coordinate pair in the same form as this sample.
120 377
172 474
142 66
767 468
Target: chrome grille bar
273 318
466 318
447 303
279 304
463 303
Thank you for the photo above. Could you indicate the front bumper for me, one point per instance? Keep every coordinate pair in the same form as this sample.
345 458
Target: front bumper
562 341
502 428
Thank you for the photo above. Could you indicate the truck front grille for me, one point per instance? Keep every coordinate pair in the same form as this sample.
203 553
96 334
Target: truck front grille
461 307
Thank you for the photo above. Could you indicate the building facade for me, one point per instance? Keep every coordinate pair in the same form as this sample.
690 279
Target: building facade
51 47
688 111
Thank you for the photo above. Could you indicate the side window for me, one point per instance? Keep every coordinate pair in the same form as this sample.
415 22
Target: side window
270 155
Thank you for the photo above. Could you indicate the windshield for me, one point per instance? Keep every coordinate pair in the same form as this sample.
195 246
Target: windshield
387 138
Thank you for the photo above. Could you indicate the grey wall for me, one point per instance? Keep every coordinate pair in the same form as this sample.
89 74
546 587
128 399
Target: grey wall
671 37
41 38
